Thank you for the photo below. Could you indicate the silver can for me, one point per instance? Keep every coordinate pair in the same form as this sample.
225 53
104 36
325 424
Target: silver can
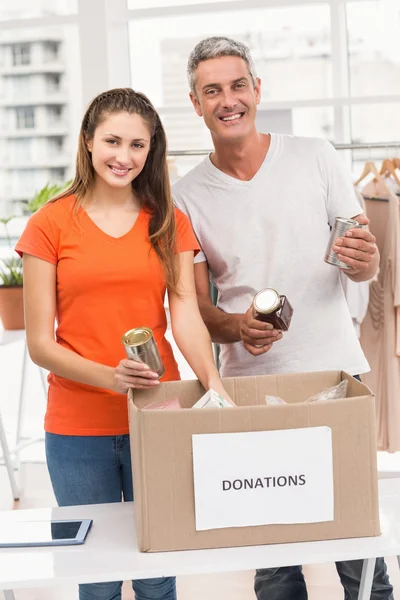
338 230
140 345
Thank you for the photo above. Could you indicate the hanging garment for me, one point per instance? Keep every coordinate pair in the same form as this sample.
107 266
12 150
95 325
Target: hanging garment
357 294
380 333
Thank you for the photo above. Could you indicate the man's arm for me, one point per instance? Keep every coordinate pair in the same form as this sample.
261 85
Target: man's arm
224 328
227 328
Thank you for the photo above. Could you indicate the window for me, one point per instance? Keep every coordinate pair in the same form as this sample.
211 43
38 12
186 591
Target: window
315 121
291 48
51 51
21 54
375 122
25 181
36 119
25 9
53 83
55 146
25 117
374 47
21 151
21 86
57 175
132 4
54 114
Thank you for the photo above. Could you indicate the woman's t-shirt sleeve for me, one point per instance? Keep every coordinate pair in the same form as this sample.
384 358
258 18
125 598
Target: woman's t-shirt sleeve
185 237
40 237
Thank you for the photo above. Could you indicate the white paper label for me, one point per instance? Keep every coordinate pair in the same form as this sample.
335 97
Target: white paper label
263 477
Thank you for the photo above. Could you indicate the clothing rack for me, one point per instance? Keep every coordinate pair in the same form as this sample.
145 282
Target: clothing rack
371 146
352 146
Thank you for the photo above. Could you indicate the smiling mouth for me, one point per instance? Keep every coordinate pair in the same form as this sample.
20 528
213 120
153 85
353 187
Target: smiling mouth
234 117
118 171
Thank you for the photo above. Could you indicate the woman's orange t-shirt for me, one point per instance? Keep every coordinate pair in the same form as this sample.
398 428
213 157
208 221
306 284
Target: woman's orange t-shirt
105 286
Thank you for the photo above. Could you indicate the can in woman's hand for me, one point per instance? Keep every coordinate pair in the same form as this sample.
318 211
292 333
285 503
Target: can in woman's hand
141 346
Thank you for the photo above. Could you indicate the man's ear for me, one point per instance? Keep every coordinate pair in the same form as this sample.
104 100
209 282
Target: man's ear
257 89
195 103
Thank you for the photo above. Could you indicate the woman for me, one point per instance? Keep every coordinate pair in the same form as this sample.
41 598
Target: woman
99 259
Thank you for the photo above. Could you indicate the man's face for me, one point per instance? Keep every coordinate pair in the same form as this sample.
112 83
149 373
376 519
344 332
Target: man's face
226 97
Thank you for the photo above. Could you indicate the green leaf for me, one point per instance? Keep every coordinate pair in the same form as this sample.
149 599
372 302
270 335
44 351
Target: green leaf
45 194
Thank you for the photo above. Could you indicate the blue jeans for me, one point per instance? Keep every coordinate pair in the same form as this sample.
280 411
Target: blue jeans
94 470
287 583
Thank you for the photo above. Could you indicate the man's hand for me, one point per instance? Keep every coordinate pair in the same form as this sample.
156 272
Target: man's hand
257 336
357 248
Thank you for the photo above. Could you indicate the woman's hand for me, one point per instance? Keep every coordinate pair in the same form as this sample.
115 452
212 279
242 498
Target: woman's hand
132 374
216 385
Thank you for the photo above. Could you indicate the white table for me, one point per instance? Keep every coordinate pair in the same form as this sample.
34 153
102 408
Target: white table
110 552
10 337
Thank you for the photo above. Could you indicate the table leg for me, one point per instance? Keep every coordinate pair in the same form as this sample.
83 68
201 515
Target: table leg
367 576
21 404
8 595
8 462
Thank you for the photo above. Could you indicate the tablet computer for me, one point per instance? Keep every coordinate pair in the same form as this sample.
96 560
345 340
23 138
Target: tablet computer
17 534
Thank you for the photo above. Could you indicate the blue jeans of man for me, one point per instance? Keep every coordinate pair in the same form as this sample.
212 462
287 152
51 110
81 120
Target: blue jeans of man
94 470
287 583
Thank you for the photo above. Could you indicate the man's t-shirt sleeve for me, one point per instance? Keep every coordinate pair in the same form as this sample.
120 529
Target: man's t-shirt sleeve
341 200
185 237
39 238
199 255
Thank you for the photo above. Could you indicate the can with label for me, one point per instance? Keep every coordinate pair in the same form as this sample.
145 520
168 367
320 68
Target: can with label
140 345
338 230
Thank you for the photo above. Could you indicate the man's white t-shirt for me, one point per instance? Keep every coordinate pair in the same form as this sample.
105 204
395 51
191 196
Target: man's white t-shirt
272 231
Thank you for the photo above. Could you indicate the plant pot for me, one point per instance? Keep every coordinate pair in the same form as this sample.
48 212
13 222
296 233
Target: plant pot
12 307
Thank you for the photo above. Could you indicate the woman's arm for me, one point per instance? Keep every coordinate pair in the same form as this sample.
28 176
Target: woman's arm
189 330
40 312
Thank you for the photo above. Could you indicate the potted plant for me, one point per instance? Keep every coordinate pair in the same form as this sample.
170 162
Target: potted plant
11 277
11 300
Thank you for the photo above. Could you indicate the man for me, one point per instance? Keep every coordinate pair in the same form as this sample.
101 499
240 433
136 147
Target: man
261 206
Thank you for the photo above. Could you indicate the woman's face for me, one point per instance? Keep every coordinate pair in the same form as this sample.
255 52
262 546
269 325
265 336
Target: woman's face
120 146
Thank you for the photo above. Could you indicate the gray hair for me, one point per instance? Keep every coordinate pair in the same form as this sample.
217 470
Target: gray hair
214 47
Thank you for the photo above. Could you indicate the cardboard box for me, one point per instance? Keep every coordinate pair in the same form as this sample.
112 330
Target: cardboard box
162 458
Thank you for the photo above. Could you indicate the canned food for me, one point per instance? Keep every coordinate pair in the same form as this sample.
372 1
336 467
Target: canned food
272 308
338 230
140 345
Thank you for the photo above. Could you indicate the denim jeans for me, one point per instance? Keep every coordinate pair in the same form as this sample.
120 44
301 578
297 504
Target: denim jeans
287 583
94 470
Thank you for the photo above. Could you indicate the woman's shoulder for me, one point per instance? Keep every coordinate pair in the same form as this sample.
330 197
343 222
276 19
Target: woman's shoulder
55 212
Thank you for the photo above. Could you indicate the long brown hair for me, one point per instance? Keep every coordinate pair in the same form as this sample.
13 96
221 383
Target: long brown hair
151 186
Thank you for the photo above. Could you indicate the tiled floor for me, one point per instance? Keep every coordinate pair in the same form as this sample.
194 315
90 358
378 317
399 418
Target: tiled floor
322 580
